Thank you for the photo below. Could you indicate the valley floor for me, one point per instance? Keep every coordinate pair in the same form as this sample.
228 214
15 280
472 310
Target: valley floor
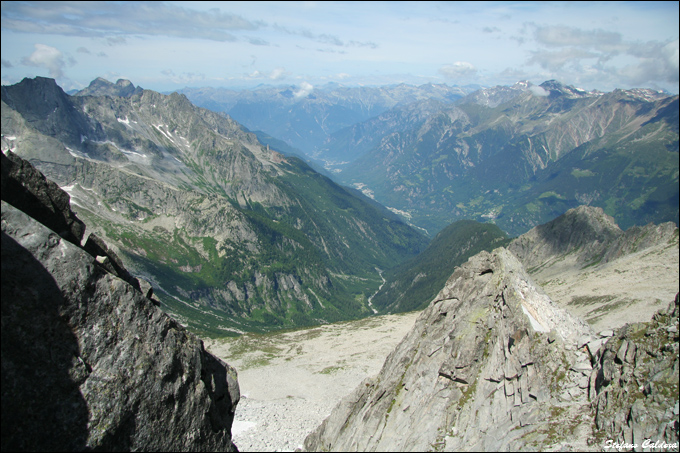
290 381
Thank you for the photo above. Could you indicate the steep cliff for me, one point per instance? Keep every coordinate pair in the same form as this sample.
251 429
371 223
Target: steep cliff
88 360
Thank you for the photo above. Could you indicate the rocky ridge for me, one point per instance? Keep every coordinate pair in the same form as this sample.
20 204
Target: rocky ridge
634 385
589 234
491 361
88 360
494 365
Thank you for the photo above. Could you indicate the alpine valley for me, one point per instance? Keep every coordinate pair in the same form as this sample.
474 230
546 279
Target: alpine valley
553 326
232 235
523 155
236 236
516 155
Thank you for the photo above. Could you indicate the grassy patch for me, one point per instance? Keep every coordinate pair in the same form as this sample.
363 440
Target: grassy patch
578 173
331 369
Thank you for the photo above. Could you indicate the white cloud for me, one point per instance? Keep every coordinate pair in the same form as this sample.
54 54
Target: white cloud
561 36
537 90
598 55
323 38
304 91
106 19
458 70
658 62
555 60
48 57
278 74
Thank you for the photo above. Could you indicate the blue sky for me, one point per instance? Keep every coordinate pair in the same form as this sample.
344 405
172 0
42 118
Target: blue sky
170 45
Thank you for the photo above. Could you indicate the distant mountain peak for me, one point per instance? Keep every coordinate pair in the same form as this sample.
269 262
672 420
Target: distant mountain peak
523 84
43 85
102 87
557 88
494 96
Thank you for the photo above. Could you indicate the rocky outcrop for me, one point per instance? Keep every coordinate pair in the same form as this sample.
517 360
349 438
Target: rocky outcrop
89 362
102 87
634 387
589 236
24 186
492 364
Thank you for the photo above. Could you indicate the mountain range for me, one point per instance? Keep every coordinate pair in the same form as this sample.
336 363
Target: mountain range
229 235
90 361
304 117
517 156
232 234
237 236
520 156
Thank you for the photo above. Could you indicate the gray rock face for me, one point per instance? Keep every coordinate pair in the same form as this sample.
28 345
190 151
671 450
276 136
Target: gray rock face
89 362
492 364
589 235
634 387
24 186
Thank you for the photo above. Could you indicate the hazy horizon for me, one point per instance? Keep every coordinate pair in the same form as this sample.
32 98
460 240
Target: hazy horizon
166 46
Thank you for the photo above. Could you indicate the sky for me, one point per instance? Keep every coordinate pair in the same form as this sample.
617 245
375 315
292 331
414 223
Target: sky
166 46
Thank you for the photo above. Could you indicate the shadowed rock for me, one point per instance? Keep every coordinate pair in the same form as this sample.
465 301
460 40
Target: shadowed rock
24 187
88 361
